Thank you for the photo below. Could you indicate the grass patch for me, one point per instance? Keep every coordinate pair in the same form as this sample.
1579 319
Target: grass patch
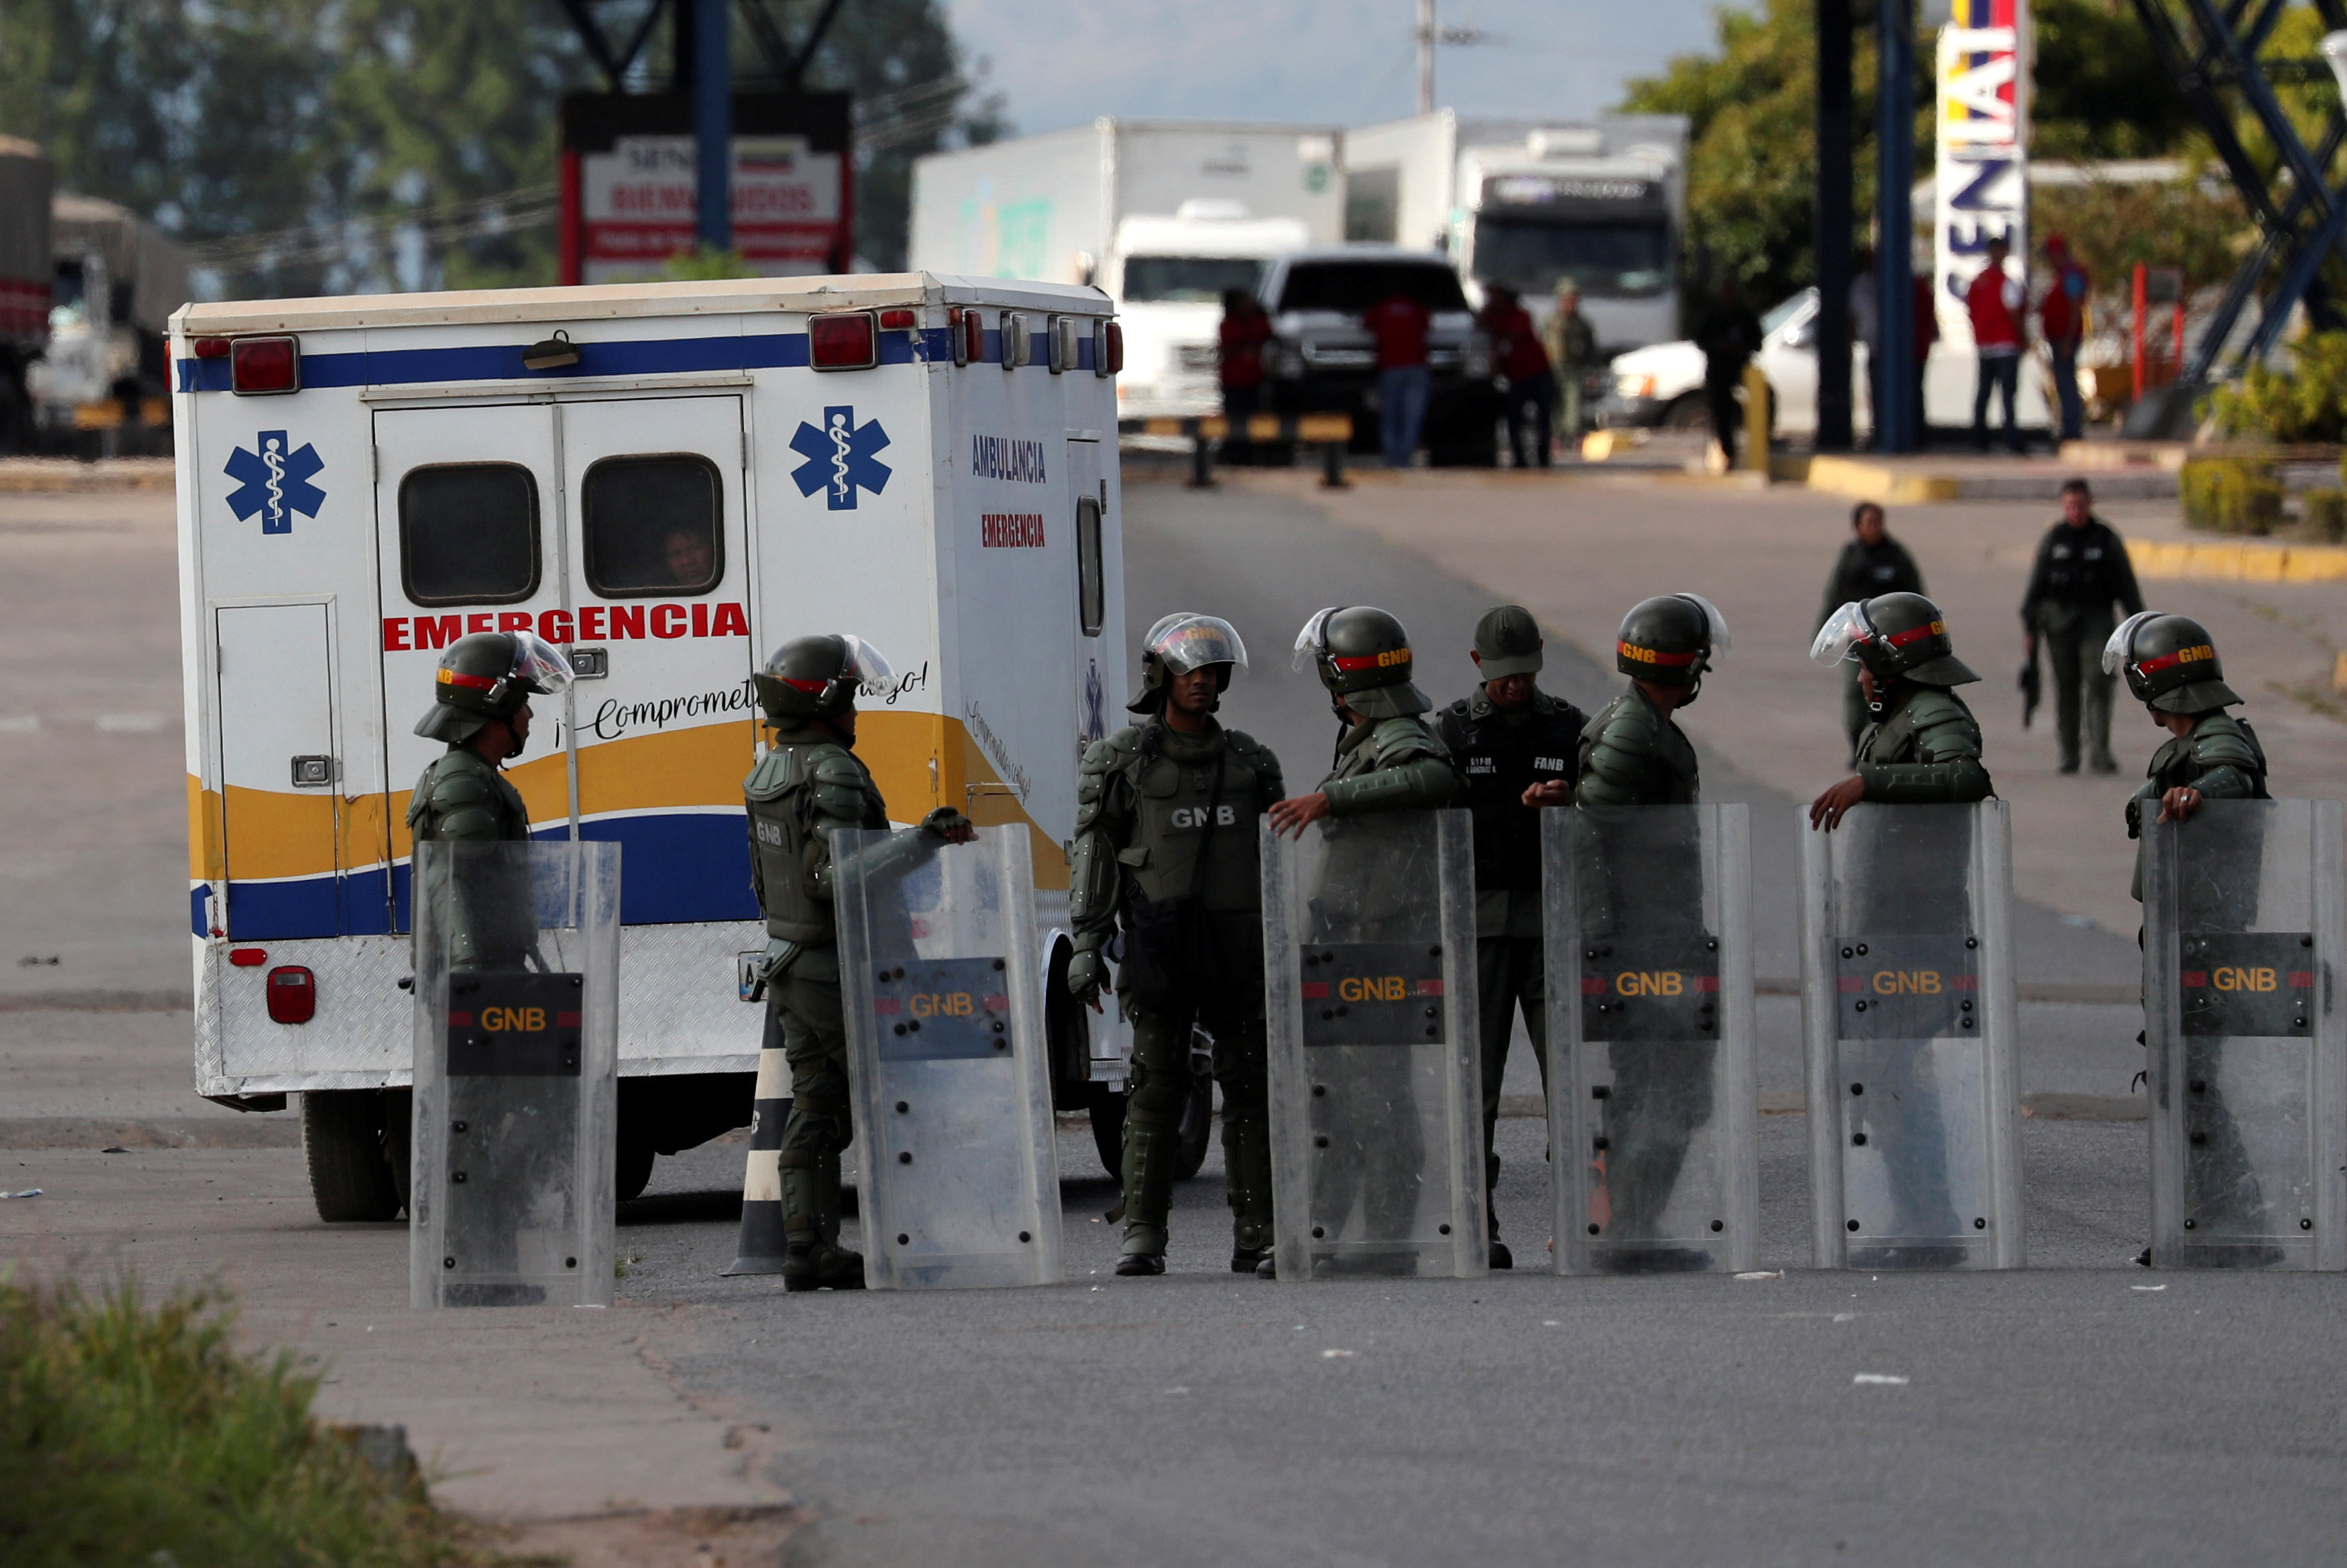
136 1434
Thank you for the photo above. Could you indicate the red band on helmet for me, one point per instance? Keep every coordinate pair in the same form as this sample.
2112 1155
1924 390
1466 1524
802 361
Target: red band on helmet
2181 656
812 687
1632 652
475 682
1345 665
1930 628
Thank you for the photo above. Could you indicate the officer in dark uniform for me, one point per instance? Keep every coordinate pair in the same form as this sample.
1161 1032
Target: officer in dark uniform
480 706
1871 563
2081 571
808 783
1166 835
1388 758
1634 754
2171 666
1517 746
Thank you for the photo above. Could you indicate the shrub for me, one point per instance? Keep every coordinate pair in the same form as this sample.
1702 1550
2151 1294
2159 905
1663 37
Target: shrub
2306 402
2326 515
2231 495
139 1434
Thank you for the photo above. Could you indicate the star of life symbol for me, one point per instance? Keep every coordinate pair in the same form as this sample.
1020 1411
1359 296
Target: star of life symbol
839 458
275 482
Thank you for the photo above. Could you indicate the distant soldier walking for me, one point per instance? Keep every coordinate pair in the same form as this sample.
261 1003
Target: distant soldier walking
2081 572
1872 563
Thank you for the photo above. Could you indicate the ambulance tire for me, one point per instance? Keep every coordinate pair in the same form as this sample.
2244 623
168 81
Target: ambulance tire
342 1144
632 1171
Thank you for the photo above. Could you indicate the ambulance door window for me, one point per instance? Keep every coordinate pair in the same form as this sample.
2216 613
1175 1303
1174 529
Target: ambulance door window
1091 592
468 534
654 526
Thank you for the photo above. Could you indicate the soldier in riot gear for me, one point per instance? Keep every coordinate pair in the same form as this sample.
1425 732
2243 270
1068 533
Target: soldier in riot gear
1166 842
2081 571
480 706
2171 666
809 782
1634 754
1388 758
1923 746
1516 746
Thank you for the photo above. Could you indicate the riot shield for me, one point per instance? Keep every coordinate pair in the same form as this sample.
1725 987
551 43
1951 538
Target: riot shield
1907 1002
1370 983
2244 920
1653 1104
942 996
517 1064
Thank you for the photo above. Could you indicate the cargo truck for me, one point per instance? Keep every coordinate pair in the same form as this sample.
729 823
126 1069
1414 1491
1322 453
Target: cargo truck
25 181
1164 216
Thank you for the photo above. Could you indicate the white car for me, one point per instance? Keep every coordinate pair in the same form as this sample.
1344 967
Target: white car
1662 385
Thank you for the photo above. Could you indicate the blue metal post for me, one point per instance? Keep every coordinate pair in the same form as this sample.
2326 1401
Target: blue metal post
1898 423
713 118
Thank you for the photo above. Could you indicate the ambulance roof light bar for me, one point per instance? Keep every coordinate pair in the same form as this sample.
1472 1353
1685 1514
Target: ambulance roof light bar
265 367
842 340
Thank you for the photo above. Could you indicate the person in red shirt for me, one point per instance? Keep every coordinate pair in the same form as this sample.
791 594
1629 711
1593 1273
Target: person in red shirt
1400 324
1999 307
1517 355
1924 323
1245 329
2063 316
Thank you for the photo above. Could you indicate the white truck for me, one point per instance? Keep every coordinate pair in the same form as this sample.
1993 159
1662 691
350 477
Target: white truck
1525 203
668 481
1162 216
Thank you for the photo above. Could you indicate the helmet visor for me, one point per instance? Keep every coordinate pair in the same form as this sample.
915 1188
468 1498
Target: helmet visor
1838 638
540 666
2116 651
1191 642
1307 641
865 665
1715 623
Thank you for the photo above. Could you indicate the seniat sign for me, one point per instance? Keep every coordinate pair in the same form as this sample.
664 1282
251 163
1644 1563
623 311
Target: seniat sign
1983 169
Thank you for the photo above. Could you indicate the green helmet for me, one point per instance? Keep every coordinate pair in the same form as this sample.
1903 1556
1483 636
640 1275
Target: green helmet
487 676
818 677
2170 662
1362 655
1669 640
1895 636
1180 643
1507 642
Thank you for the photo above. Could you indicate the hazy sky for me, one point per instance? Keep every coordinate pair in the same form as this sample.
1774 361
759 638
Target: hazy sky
1342 62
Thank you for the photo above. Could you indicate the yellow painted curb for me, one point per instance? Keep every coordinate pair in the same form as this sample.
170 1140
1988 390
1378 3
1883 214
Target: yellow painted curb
1875 481
2239 561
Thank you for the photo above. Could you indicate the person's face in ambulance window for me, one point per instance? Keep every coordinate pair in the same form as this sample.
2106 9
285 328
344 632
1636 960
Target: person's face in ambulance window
689 557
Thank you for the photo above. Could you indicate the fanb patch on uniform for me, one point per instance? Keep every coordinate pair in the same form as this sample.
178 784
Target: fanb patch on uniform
1372 994
942 1010
1660 988
2246 983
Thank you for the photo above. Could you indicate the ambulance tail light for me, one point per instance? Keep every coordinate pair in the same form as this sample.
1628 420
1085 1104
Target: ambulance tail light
1108 348
1061 336
264 366
293 994
1018 342
210 348
968 329
897 320
842 340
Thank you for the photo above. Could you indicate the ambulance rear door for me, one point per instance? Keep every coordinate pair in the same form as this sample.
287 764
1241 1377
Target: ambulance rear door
658 589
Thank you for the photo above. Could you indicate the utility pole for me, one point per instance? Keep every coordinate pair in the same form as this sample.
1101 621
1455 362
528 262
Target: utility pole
1830 236
1426 57
712 118
1899 422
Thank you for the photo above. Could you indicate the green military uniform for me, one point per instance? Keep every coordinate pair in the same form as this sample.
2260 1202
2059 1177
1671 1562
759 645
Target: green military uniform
1925 749
464 796
2079 573
1163 815
2220 758
1861 572
807 785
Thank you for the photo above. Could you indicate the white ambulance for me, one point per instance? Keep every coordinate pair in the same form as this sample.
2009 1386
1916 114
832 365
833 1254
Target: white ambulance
668 481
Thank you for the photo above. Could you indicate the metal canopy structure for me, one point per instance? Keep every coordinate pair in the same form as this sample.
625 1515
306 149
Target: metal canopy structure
2302 215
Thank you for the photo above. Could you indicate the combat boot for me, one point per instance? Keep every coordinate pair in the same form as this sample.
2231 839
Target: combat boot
1149 1156
815 1260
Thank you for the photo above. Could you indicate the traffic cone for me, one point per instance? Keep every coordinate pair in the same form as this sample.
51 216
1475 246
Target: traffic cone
762 1249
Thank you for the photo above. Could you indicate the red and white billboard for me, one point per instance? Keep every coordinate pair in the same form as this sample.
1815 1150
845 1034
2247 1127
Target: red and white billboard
637 203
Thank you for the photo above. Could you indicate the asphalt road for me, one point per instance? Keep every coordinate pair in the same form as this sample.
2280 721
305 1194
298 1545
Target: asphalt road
2082 1411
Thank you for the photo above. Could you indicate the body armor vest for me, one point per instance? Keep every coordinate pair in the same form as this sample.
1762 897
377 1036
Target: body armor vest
1502 754
1174 802
799 789
2177 764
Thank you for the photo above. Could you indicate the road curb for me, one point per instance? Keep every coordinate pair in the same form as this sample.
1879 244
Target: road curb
1898 484
259 1130
70 476
2237 561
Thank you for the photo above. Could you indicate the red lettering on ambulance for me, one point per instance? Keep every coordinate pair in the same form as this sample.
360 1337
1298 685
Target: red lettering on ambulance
479 622
513 620
590 623
438 631
395 634
699 620
730 621
554 625
627 621
668 620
